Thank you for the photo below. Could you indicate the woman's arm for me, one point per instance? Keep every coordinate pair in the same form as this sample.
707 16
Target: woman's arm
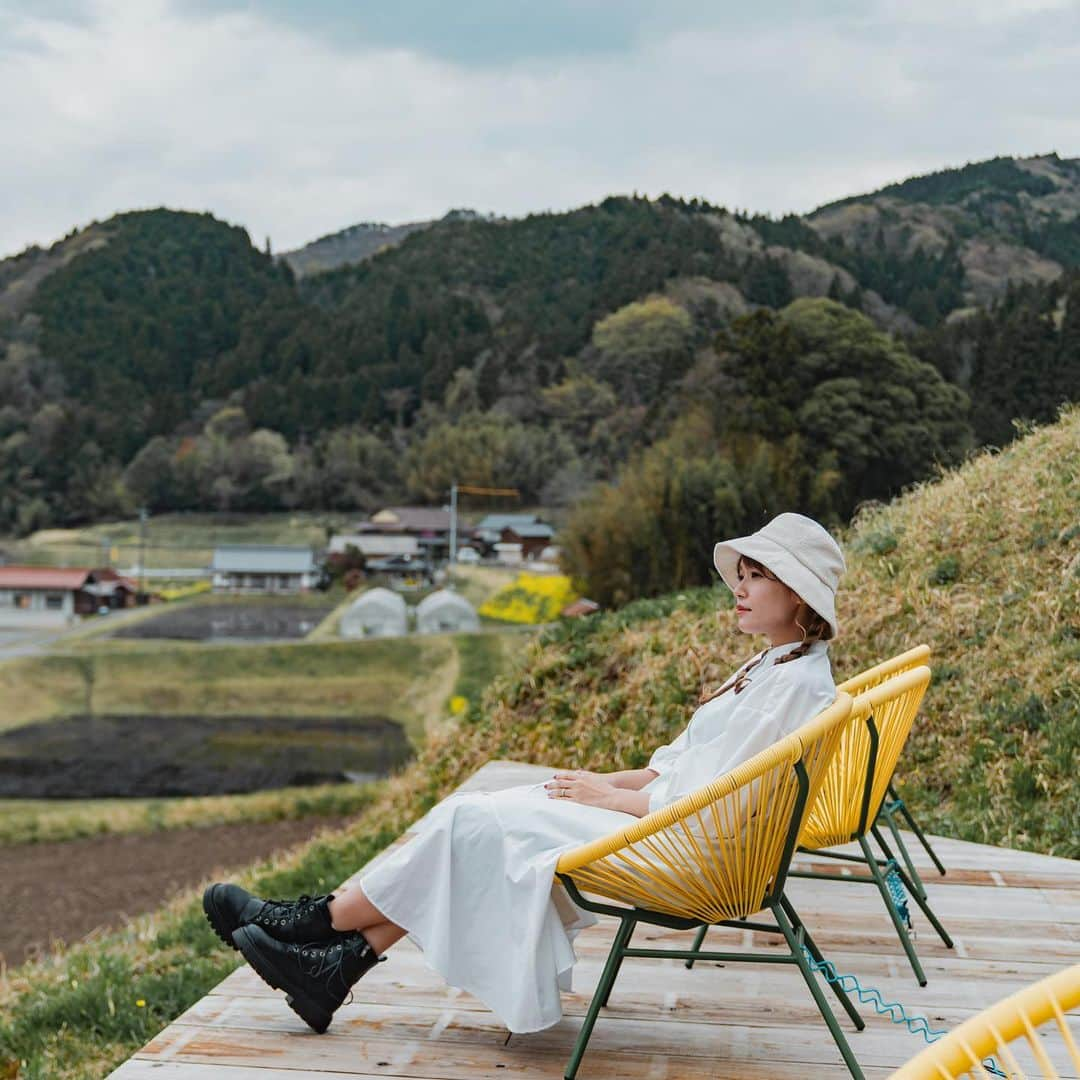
595 789
629 802
630 779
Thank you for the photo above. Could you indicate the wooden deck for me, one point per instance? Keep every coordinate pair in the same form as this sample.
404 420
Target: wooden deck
1015 917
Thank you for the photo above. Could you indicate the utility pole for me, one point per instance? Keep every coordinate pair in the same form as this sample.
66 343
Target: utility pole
453 526
143 515
470 489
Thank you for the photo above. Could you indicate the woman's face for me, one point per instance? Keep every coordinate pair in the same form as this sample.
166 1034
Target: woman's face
764 605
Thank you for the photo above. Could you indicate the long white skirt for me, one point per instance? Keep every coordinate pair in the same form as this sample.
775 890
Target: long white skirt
475 889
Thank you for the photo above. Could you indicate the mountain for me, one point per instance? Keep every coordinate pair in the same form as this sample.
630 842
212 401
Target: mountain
1007 220
163 344
357 243
351 245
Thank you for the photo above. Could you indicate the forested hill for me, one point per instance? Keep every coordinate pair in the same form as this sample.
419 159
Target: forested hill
159 358
929 245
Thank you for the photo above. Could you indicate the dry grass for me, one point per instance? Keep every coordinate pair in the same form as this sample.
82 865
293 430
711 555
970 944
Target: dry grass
24 821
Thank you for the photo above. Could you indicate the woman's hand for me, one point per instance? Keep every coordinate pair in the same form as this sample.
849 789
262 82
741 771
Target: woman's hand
581 786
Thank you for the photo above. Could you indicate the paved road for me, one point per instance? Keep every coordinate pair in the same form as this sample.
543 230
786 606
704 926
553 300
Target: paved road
28 642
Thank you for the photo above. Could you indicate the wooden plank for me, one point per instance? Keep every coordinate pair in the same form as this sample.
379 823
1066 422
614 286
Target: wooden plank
710 991
726 1007
1015 917
623 1047
143 1069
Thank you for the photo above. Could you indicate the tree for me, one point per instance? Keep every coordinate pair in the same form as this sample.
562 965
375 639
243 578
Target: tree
488 450
852 394
652 531
150 477
642 347
357 470
577 403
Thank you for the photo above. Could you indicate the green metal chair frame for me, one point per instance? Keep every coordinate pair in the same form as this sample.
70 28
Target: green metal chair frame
894 805
718 852
847 806
890 708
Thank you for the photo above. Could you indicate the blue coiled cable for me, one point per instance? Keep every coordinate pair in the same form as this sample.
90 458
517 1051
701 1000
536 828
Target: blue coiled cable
868 995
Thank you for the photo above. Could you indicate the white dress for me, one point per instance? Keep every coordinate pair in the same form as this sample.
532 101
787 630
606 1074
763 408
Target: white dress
475 887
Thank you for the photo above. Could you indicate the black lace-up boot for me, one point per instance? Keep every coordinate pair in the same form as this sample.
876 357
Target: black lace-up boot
228 907
315 977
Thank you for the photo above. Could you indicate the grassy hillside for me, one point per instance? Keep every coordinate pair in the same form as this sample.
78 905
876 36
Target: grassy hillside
982 565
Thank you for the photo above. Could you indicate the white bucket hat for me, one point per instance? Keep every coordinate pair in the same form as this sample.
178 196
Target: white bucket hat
798 551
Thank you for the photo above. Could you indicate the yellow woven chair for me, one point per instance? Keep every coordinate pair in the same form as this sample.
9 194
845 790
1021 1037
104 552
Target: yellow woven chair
990 1033
715 857
855 788
893 804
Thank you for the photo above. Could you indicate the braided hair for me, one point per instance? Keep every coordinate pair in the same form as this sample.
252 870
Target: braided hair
813 626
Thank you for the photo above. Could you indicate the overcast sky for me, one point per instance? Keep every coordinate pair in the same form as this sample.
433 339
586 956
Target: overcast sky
295 118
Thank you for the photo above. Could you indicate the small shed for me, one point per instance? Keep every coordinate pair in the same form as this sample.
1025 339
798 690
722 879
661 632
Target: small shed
580 608
375 613
533 538
445 612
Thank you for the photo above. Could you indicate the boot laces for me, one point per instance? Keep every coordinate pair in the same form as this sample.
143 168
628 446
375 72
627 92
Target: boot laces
287 909
326 962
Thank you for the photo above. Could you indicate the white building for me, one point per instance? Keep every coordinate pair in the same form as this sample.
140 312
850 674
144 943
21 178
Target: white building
375 613
445 612
374 545
264 568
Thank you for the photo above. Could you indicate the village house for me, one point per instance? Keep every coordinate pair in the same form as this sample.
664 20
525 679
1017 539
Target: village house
488 532
54 596
374 544
529 539
264 568
427 526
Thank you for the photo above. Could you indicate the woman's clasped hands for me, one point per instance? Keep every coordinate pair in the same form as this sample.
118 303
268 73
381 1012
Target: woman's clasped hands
581 786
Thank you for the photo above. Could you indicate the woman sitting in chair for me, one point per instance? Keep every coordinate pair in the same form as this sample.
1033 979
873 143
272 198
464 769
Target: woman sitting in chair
475 888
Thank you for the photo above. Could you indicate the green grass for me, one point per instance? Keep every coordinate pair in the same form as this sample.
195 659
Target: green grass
28 821
172 540
482 657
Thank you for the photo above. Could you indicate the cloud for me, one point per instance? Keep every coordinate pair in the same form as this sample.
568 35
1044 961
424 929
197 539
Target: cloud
294 131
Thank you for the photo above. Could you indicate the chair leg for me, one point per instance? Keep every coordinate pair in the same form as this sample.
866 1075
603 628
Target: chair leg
901 847
819 958
614 960
923 903
898 923
914 827
618 965
819 997
699 940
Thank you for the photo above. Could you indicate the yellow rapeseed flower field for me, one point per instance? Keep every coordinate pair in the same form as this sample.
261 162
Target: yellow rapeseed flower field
530 598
